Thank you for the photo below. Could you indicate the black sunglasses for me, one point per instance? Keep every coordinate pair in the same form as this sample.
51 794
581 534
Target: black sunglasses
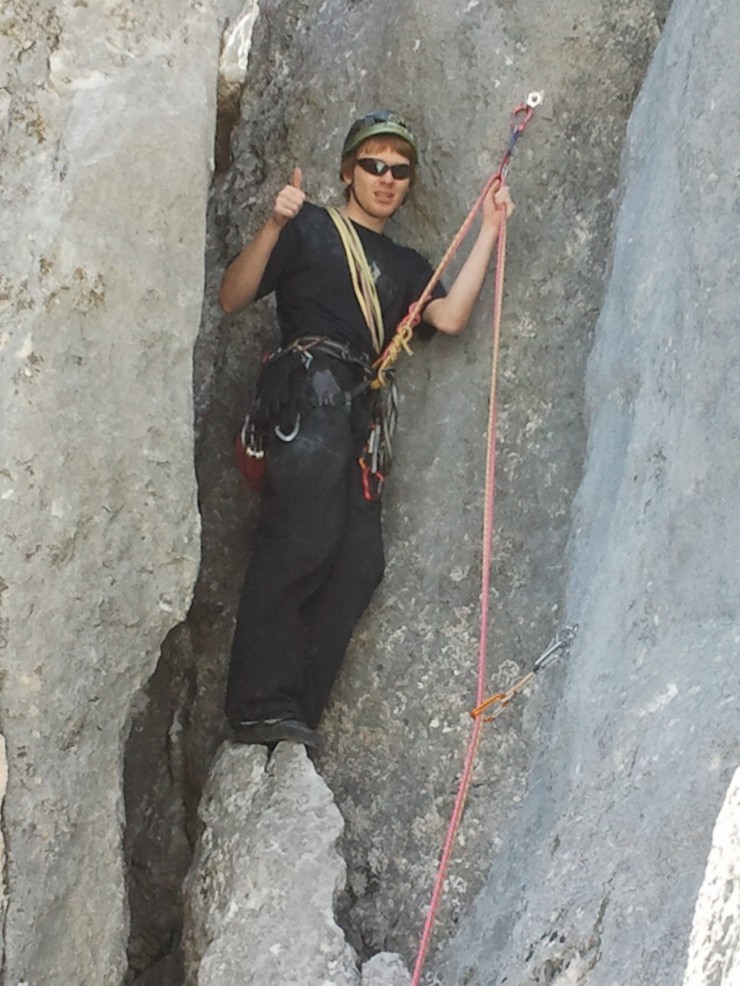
374 166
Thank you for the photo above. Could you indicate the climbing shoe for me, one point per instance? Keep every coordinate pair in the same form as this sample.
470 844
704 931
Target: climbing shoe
275 730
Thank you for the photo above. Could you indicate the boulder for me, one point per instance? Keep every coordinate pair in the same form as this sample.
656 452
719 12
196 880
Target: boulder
260 895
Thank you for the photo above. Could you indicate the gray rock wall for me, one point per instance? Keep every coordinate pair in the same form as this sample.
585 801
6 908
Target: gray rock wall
107 114
261 892
598 877
586 796
396 730
256 877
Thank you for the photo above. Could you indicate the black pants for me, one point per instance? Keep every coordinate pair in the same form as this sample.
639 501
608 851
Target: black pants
317 559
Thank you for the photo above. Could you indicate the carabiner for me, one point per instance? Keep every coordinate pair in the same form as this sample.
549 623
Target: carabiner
562 641
500 699
533 100
289 438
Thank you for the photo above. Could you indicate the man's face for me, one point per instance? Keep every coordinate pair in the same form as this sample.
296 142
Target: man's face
378 195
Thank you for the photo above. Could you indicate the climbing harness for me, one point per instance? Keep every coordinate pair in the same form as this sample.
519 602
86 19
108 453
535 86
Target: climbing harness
250 441
520 118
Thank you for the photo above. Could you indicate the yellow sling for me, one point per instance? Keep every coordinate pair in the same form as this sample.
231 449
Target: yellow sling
362 278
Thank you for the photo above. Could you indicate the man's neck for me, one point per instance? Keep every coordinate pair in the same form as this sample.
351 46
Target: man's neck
358 215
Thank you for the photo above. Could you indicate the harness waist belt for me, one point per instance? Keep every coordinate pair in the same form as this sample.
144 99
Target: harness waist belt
323 344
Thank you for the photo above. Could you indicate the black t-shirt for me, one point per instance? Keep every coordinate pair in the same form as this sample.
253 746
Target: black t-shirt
309 273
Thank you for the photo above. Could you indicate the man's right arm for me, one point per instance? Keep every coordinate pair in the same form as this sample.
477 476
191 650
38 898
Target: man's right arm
242 277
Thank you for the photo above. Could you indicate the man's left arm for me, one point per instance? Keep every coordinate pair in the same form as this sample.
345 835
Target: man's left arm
451 313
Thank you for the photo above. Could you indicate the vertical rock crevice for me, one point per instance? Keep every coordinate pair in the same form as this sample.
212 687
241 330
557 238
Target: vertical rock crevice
179 725
393 716
161 799
101 292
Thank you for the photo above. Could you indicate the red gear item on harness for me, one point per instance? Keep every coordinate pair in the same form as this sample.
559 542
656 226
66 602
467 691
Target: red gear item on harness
372 481
251 466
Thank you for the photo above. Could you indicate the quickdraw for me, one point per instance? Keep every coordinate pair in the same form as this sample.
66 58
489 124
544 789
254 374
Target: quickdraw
560 644
525 110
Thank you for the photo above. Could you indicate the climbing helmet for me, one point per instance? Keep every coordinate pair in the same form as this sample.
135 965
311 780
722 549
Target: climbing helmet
377 124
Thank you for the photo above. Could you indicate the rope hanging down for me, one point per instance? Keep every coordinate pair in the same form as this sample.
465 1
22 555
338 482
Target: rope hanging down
559 645
519 121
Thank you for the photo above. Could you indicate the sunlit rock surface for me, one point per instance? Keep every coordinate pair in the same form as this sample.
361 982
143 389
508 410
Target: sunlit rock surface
107 115
586 839
714 954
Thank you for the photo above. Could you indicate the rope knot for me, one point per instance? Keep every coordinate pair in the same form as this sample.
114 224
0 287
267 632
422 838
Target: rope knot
401 340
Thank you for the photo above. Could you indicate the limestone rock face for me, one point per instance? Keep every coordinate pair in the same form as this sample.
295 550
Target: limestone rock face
398 724
385 969
588 829
598 877
106 119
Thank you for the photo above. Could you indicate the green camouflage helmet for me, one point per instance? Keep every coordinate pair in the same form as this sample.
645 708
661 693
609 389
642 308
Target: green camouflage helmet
377 124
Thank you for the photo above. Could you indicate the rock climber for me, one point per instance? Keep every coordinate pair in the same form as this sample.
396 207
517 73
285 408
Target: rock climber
318 551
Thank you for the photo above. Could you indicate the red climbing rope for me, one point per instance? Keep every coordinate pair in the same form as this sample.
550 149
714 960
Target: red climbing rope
520 118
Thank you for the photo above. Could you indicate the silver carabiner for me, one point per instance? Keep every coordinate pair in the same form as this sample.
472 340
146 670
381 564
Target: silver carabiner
289 438
562 641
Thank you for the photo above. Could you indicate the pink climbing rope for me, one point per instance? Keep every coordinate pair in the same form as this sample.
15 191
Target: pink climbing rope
518 126
488 512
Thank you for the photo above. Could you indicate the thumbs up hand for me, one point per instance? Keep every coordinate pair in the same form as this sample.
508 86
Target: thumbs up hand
290 199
